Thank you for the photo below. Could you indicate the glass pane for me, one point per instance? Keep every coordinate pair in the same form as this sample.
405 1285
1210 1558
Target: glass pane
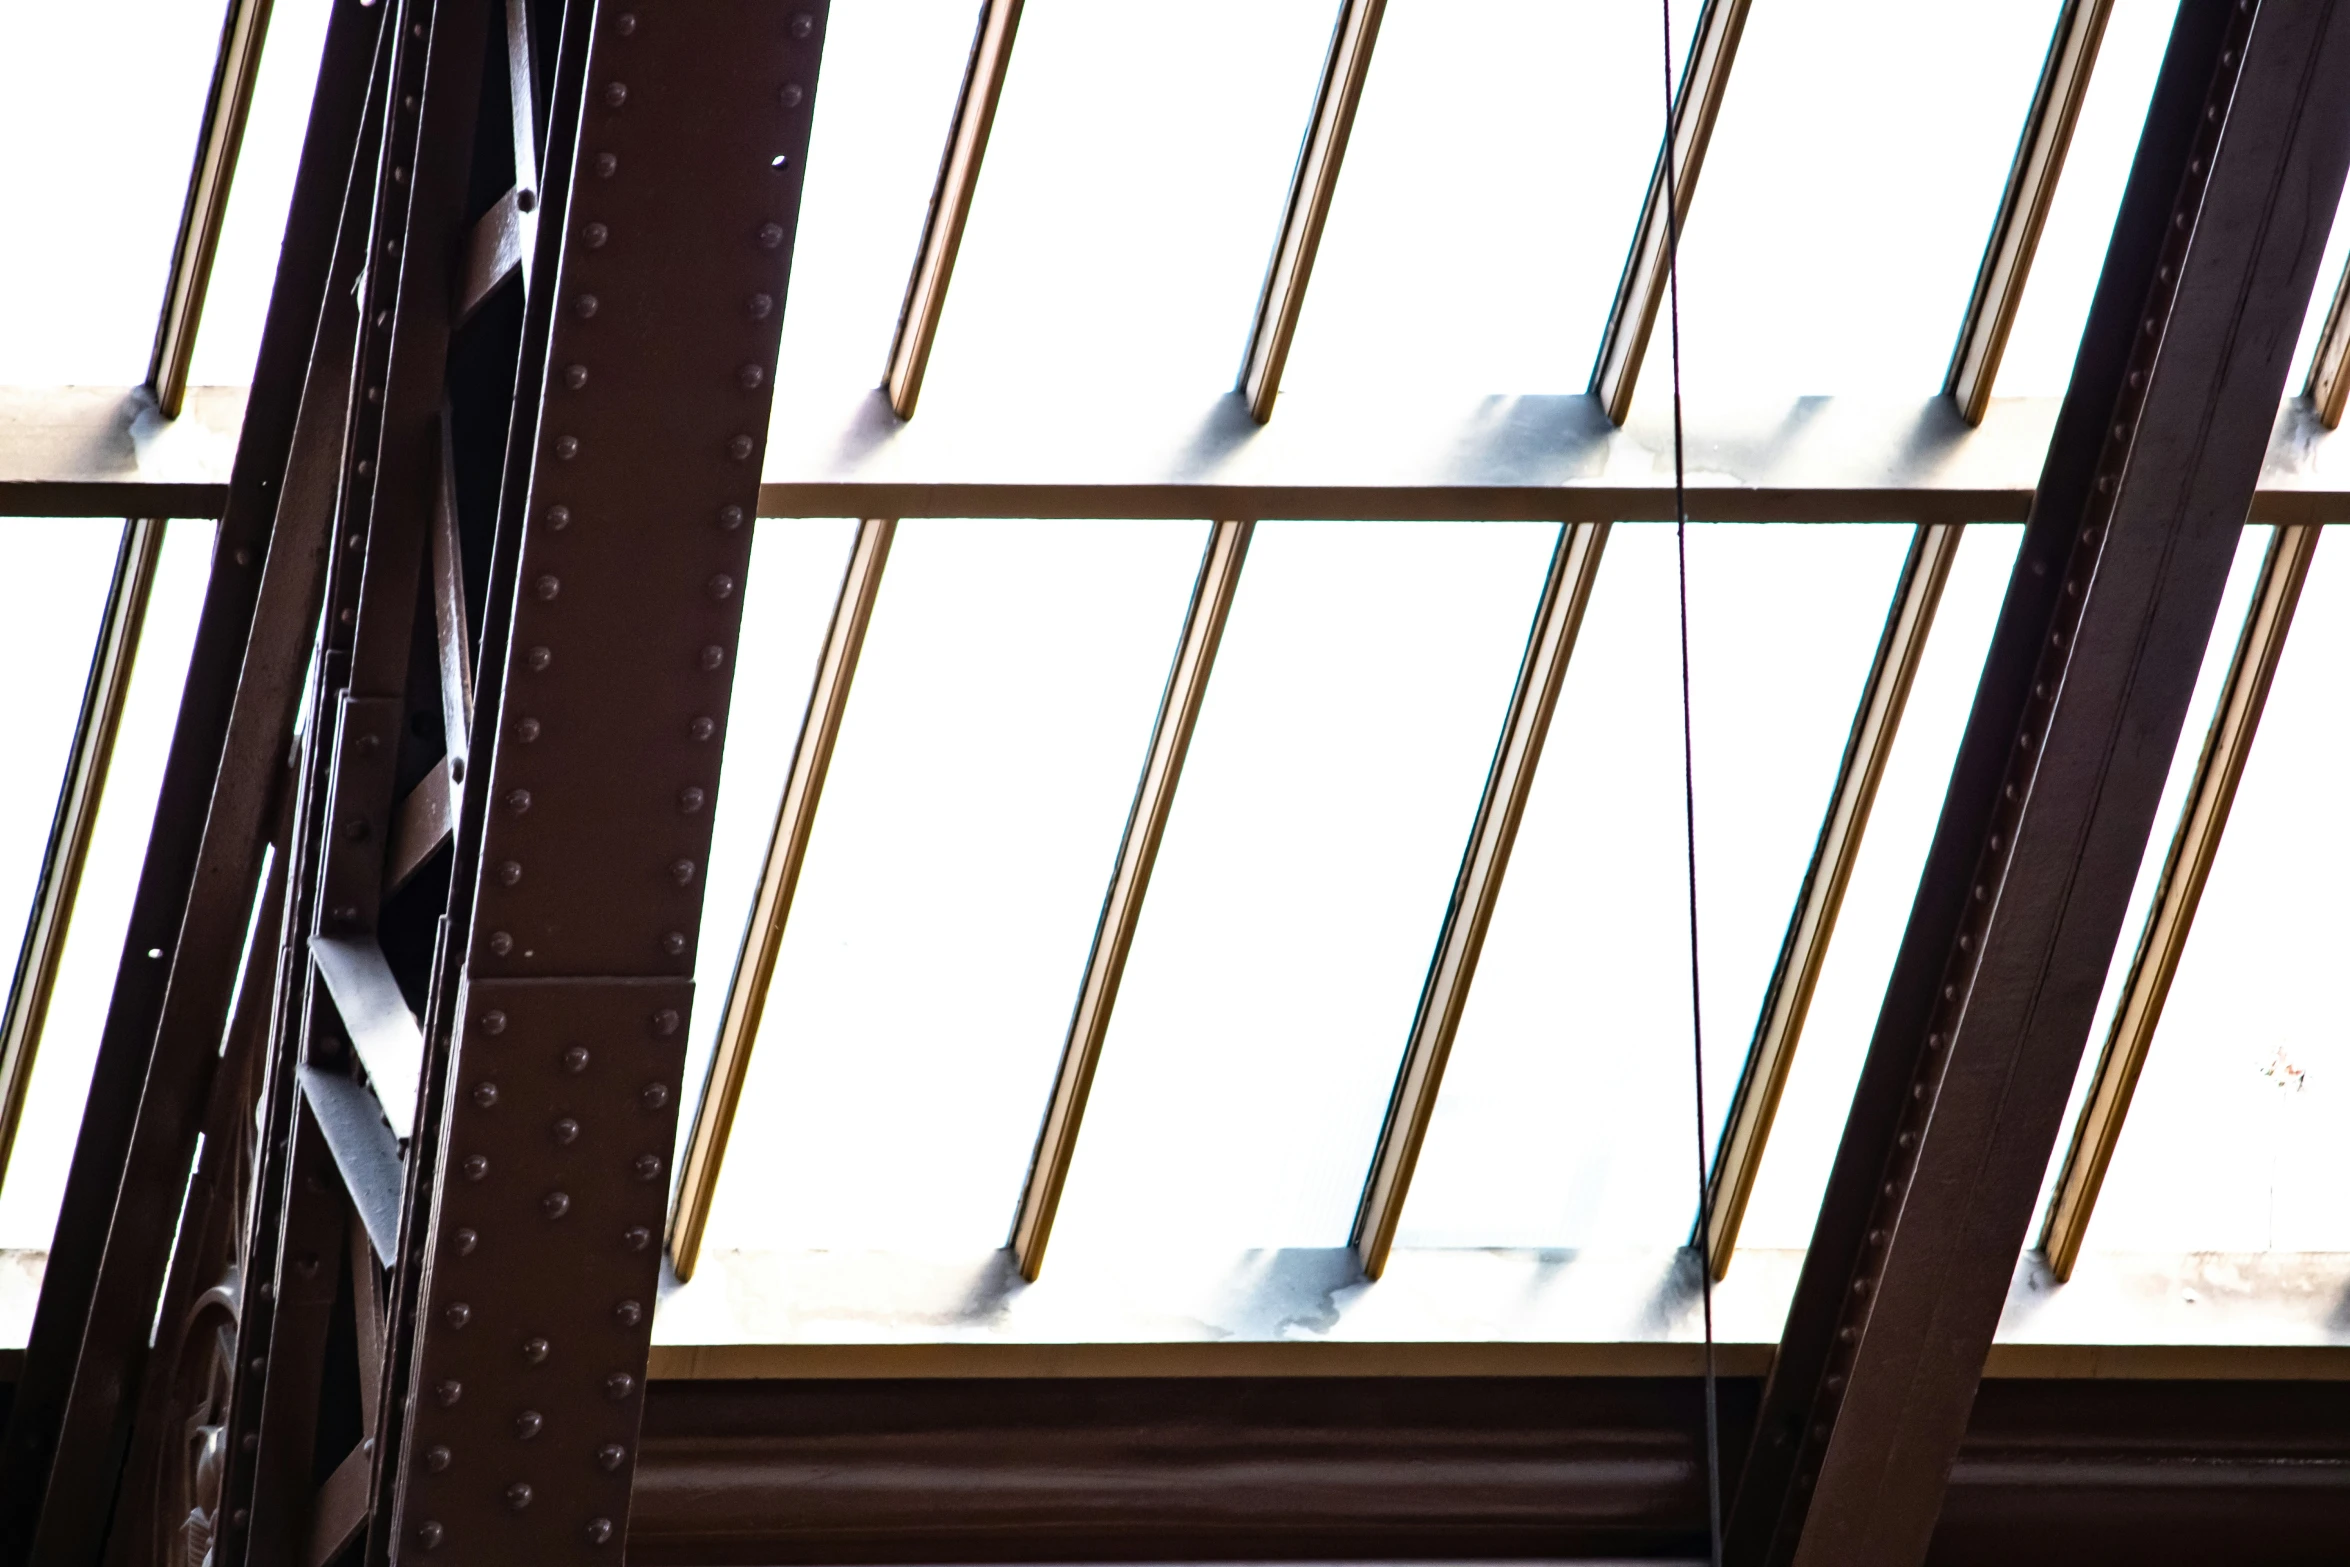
35 1182
54 574
244 268
1462 250
891 75
1331 783
1848 193
100 102
2047 334
2210 684
1566 1117
1133 190
984 769
1884 883
2238 1138
788 596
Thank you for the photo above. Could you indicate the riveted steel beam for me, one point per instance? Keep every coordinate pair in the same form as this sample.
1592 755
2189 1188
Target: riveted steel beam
162 1032
2116 586
570 968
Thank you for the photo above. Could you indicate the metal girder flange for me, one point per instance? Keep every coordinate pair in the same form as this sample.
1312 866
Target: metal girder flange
541 1229
2083 695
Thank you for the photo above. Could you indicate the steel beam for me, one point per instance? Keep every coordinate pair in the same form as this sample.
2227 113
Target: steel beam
1130 877
2149 476
1804 953
787 851
2328 390
1542 674
572 967
1705 79
204 851
1311 190
2023 210
2194 847
950 204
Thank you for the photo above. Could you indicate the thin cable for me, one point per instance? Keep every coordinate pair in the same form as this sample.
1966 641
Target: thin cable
1705 1216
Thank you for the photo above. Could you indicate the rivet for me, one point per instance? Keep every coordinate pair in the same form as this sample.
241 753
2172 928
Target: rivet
566 1130
547 588
682 872
751 377
2180 222
1996 841
1819 1431
527 730
518 1495
2212 114
629 1313
665 1022
1907 1140
802 25
566 447
536 1350
575 376
244 557
448 1390
624 23
611 1456
346 617
539 658
1835 1381
366 467
518 801
307 1265
730 518
648 1166
399 174
391 247
690 801
793 95
618 1386
741 447
702 728
265 1291
436 1459
1860 1286
477 1167
555 1204
575 1060
606 165
255 1365
713 657
585 305
509 873
485 1094
722 587
458 1314
558 517
1847 1335
615 94
493 1022
673 943
430 1535
501 942
2137 379
1891 1190
529 1423
636 1237
375 394
770 235
465 1241
760 305
599 1531
1966 943
346 913
595 234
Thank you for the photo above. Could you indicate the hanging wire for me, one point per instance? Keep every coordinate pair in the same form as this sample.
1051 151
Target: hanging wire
1705 1217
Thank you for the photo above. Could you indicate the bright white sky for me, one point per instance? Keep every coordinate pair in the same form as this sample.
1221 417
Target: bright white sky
1133 189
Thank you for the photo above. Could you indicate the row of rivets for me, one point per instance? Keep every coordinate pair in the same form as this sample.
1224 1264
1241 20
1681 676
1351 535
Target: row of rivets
2069 605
